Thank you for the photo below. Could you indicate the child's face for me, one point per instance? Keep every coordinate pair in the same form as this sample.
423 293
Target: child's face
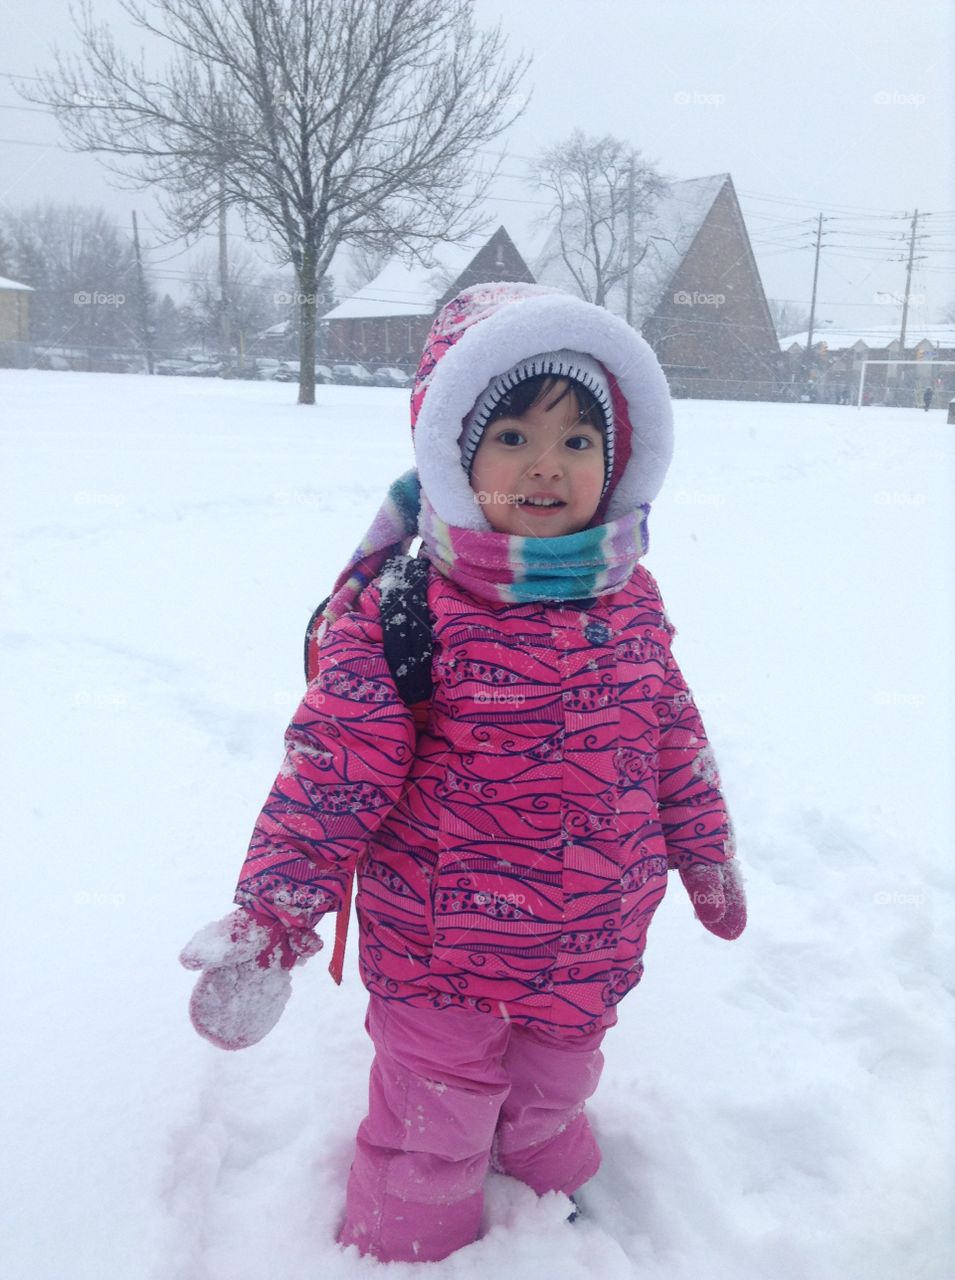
547 453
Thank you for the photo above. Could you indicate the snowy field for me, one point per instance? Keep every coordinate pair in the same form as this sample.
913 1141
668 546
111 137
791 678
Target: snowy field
780 1108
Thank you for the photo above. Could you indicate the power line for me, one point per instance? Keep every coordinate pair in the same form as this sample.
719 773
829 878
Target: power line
24 142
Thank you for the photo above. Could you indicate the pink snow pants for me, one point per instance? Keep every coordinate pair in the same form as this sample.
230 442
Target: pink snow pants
452 1091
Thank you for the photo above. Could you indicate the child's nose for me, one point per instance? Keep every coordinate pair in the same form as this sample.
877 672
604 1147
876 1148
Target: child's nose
548 464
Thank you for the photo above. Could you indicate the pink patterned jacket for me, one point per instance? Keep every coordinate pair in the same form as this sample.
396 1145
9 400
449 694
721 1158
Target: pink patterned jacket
512 853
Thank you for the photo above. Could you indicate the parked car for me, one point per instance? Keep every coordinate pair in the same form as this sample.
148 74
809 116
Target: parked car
50 360
390 375
172 367
290 370
351 375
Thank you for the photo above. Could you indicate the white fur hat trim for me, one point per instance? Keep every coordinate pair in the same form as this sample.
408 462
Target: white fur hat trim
515 332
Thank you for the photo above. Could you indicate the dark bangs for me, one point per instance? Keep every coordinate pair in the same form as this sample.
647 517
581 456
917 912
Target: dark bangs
532 391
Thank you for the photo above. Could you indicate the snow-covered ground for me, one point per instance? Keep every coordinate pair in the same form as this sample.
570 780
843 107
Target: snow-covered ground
777 1107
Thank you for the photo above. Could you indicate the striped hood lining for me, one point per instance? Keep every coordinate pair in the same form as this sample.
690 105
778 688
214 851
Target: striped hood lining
573 365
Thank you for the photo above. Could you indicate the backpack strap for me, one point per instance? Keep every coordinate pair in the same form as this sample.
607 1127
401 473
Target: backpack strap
406 627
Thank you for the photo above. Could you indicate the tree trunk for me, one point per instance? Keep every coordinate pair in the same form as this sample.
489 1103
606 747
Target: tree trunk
307 302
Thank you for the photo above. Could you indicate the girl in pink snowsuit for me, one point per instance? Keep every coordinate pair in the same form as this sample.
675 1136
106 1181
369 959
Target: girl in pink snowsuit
513 835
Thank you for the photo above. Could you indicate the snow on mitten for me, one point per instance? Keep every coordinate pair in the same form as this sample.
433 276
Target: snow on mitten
245 984
716 891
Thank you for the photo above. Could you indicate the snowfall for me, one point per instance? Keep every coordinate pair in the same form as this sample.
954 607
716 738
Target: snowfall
777 1108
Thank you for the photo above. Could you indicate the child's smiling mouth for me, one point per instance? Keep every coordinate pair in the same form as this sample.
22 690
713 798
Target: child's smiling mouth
542 502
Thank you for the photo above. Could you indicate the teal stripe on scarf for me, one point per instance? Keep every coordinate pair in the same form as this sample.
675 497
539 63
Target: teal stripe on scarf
493 566
513 569
566 568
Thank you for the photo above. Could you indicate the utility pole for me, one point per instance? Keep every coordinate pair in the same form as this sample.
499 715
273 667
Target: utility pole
812 305
226 336
143 306
908 286
630 231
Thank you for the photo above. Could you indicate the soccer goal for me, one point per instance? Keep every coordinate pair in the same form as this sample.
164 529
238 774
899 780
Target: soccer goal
921 364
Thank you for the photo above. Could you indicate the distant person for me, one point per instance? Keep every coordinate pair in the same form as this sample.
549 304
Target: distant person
512 832
928 395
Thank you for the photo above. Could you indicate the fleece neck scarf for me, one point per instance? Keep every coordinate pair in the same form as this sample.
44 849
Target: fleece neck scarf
498 567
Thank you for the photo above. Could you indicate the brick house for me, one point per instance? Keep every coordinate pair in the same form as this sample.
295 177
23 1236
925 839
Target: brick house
833 370
697 294
14 311
387 321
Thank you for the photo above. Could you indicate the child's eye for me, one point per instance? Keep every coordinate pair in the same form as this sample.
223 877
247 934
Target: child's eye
510 437
579 443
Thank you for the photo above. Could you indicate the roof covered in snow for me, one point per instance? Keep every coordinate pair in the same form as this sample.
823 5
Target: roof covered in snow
400 290
14 284
280 329
875 337
672 228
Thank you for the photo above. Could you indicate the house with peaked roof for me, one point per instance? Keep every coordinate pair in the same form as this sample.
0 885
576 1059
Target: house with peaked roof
14 311
832 369
697 296
387 322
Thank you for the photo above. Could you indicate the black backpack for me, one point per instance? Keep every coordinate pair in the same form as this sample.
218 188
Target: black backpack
406 626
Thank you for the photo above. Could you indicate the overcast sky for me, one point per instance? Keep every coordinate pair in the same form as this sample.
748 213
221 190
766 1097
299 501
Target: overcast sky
843 107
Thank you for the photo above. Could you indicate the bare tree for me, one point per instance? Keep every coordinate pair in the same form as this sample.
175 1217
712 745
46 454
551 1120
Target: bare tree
82 269
788 317
325 122
365 264
605 195
251 300
6 254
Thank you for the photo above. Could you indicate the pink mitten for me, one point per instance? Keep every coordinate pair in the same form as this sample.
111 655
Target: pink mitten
716 891
245 984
